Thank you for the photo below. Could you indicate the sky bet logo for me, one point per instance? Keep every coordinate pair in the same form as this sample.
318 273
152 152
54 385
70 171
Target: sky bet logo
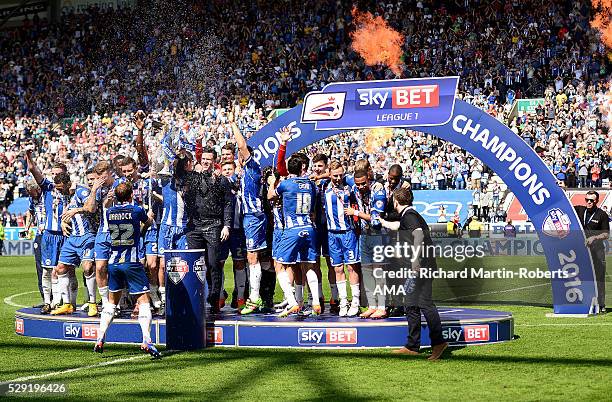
398 97
471 333
327 336
80 331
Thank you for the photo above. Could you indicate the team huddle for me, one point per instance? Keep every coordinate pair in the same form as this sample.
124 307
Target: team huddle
278 222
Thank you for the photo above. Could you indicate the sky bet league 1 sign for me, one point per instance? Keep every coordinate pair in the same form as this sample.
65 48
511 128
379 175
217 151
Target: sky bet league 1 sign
429 105
393 103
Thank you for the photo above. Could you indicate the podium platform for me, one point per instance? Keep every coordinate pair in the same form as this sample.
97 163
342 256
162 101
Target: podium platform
461 327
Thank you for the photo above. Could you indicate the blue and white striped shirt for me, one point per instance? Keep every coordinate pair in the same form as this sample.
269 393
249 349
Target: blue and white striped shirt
335 200
55 202
124 227
251 187
81 223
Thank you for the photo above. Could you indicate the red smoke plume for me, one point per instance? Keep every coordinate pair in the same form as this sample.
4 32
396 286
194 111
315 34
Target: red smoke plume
376 42
602 10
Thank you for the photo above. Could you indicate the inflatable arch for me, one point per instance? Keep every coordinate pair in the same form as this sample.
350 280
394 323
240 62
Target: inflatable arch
430 106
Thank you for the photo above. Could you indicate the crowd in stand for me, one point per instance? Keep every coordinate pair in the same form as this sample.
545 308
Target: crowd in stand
192 65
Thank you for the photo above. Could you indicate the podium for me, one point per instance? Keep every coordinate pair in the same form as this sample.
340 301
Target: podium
186 294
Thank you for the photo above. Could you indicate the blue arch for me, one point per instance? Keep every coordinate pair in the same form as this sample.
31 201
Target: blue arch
521 169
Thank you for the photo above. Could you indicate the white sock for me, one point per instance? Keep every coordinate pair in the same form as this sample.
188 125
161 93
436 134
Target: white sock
334 291
369 284
313 285
144 319
240 276
63 285
162 294
355 293
106 318
90 283
46 285
55 291
104 295
283 281
342 290
73 289
255 279
299 294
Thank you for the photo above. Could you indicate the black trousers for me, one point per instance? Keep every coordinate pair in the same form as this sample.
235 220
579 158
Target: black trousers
599 263
37 258
420 300
1 246
207 238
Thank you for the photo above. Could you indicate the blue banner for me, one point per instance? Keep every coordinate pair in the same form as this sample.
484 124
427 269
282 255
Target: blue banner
516 163
266 141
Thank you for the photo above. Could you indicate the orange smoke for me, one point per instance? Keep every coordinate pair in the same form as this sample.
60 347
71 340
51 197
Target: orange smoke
375 138
376 42
602 10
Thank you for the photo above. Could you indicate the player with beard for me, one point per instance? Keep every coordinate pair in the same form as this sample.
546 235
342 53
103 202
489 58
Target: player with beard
371 203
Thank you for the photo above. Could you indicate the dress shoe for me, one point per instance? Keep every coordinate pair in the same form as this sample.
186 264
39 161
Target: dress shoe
405 351
436 351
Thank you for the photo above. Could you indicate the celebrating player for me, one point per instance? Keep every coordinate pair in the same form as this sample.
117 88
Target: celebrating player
56 197
254 220
125 269
371 203
78 249
343 244
297 247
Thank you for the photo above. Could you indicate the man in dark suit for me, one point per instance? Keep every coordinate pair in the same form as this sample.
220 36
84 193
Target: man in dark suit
596 225
414 231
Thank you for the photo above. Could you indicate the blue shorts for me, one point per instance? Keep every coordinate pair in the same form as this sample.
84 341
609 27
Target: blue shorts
236 244
150 241
50 248
367 245
297 245
255 226
102 247
276 237
170 238
130 276
77 249
343 248
322 235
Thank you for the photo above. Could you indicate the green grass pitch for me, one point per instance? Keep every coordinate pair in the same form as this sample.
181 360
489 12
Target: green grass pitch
554 359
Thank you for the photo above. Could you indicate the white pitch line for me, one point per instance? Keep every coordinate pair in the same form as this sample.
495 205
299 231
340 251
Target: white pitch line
9 300
72 370
498 291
